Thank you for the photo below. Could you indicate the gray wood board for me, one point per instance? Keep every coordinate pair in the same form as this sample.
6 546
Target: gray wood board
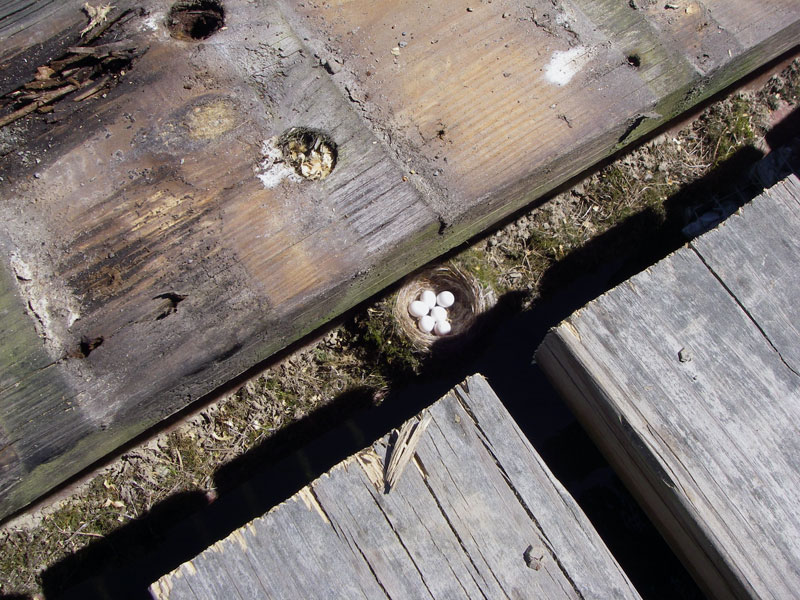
476 514
687 376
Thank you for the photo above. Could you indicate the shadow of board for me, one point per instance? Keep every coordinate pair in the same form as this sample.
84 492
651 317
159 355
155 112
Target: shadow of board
130 542
785 133
648 236
124 563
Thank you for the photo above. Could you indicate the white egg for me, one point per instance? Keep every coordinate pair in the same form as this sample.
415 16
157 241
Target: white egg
427 323
429 298
439 314
418 309
445 299
442 328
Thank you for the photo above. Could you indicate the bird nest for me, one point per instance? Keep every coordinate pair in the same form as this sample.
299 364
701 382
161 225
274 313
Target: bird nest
471 301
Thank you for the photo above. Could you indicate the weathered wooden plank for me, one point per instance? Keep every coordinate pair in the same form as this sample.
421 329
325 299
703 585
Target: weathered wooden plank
160 239
492 104
457 524
36 422
676 375
175 264
762 273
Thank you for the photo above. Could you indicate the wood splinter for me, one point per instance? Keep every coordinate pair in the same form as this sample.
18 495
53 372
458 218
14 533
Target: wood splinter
400 453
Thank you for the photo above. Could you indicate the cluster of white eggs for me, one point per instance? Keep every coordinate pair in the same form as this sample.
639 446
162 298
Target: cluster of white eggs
430 310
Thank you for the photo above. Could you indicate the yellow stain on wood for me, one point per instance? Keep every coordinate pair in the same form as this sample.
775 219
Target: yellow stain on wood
310 500
210 121
372 465
288 250
239 538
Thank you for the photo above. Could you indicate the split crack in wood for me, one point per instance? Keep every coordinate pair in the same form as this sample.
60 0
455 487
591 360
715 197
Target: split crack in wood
400 452
743 308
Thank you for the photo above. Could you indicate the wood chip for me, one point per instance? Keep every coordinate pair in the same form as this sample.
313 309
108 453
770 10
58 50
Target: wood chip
103 50
43 84
92 89
43 73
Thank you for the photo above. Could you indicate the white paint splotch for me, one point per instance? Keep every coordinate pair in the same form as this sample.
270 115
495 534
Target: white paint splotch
565 64
272 170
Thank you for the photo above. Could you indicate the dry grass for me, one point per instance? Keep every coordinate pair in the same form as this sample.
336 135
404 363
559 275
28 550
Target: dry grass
369 353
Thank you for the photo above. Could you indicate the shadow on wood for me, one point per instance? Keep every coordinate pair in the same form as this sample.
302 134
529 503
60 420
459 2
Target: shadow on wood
183 525
687 375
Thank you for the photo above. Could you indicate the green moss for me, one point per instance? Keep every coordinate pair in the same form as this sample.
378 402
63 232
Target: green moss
381 344
473 261
726 128
274 388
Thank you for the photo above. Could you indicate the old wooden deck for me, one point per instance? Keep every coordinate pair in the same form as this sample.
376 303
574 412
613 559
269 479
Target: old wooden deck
688 375
475 514
152 248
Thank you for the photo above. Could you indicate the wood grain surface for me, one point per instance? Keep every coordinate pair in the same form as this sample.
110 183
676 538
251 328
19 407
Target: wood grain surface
476 515
155 242
687 377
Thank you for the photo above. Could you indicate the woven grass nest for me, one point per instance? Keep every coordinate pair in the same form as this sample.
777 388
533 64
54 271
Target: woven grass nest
471 301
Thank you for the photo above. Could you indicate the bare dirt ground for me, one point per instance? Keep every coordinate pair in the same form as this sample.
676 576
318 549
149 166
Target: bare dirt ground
638 204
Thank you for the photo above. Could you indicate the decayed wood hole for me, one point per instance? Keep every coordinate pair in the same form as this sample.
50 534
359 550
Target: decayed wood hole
195 20
311 153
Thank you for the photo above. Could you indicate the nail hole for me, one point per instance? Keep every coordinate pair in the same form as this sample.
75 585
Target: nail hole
195 19
169 304
87 346
634 60
230 352
311 153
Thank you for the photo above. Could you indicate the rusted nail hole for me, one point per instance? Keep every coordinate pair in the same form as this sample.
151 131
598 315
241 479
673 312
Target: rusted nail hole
311 153
634 60
195 19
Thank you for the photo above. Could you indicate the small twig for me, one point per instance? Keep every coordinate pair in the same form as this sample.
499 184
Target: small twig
180 458
79 531
18 114
89 534
103 50
43 84
58 65
92 90
100 30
